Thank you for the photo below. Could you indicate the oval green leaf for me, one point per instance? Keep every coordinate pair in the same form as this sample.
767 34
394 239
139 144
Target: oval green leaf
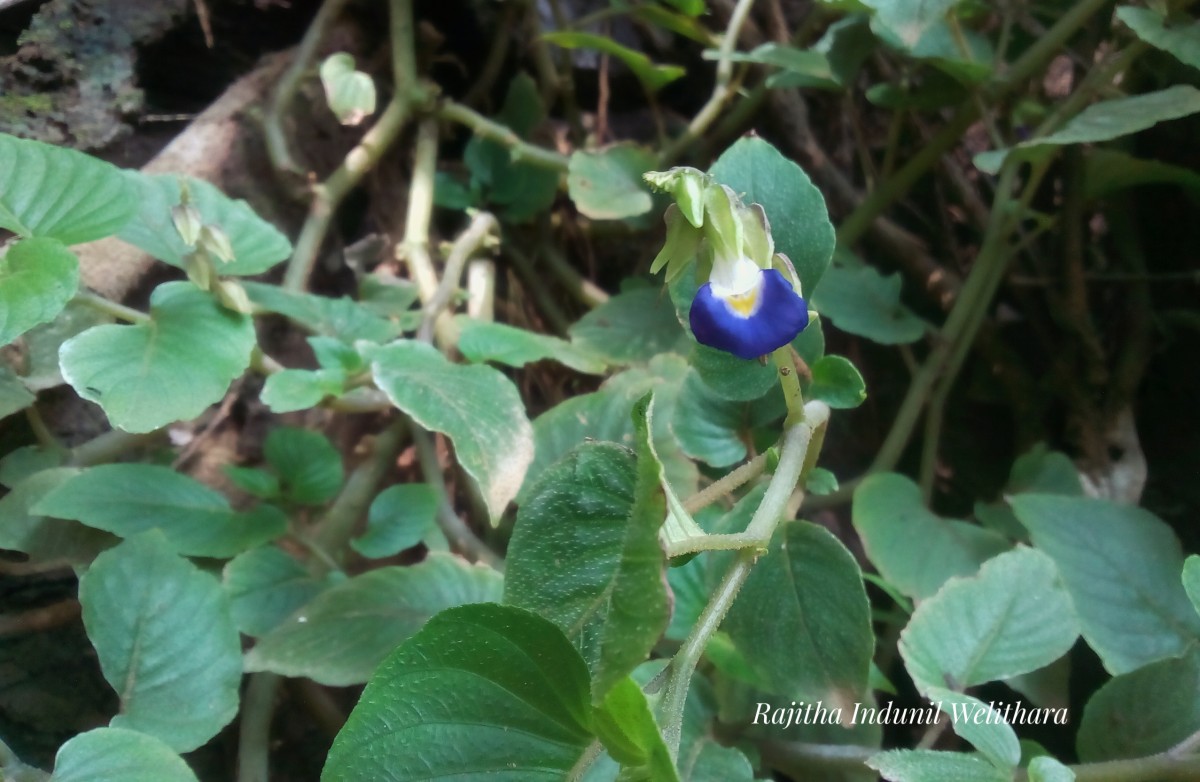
478 408
59 193
37 279
118 755
343 634
166 642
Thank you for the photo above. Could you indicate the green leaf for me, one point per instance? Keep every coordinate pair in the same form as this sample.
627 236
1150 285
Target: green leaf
653 77
258 483
118 755
59 193
802 620
1106 171
702 757
732 378
290 390
1121 565
478 408
1180 38
795 208
37 279
127 499
23 462
257 245
606 184
626 728
1110 119
1046 769
345 632
14 396
837 383
978 723
631 327
349 92
266 585
903 24
398 519
861 301
592 519
166 643
309 467
1143 712
797 67
480 340
915 550
151 374
41 345
343 318
604 415
1191 579
923 765
708 427
1012 618
500 687
46 539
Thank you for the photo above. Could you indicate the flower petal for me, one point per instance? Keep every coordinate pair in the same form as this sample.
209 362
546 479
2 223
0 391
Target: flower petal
773 322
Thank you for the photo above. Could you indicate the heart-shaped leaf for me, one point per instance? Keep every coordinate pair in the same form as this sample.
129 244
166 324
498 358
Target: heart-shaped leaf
37 279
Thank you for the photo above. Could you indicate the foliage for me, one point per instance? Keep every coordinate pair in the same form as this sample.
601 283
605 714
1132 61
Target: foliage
678 593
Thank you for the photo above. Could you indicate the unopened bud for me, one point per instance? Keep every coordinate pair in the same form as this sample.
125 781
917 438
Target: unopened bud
216 241
187 222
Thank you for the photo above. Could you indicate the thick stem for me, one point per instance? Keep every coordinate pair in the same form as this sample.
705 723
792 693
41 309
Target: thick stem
502 134
470 240
254 731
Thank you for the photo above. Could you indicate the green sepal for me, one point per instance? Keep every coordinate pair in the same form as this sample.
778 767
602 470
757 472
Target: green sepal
687 186
723 225
759 245
680 247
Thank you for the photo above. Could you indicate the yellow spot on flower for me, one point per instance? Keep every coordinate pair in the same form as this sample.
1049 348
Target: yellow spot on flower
743 304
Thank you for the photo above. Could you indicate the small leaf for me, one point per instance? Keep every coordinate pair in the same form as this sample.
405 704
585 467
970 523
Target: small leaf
257 245
343 318
127 499
151 374
258 483
606 184
478 408
861 301
653 77
797 67
14 396
399 518
266 585
802 621
345 632
166 643
837 383
350 93
795 208
915 550
486 341
290 390
499 685
46 539
1012 618
1191 579
708 427
41 368
923 765
21 463
1181 39
37 279
1046 769
1143 712
309 467
119 755
631 327
978 723
1121 565
592 519
58 193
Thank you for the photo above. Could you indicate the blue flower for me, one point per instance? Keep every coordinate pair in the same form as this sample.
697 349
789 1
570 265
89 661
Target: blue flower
746 310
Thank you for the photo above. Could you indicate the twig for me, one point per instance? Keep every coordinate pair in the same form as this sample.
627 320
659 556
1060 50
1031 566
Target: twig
414 250
278 148
722 90
470 240
586 292
452 111
727 484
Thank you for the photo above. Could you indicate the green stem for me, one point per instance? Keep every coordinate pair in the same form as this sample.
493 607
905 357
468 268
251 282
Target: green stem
110 307
254 730
483 224
723 90
766 518
727 484
502 134
108 447
789 379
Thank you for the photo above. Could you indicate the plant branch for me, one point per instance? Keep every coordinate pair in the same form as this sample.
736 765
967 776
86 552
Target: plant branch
727 484
483 224
110 308
254 730
762 525
483 127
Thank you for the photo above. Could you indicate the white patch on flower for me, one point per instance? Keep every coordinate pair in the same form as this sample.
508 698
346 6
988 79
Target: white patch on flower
734 278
